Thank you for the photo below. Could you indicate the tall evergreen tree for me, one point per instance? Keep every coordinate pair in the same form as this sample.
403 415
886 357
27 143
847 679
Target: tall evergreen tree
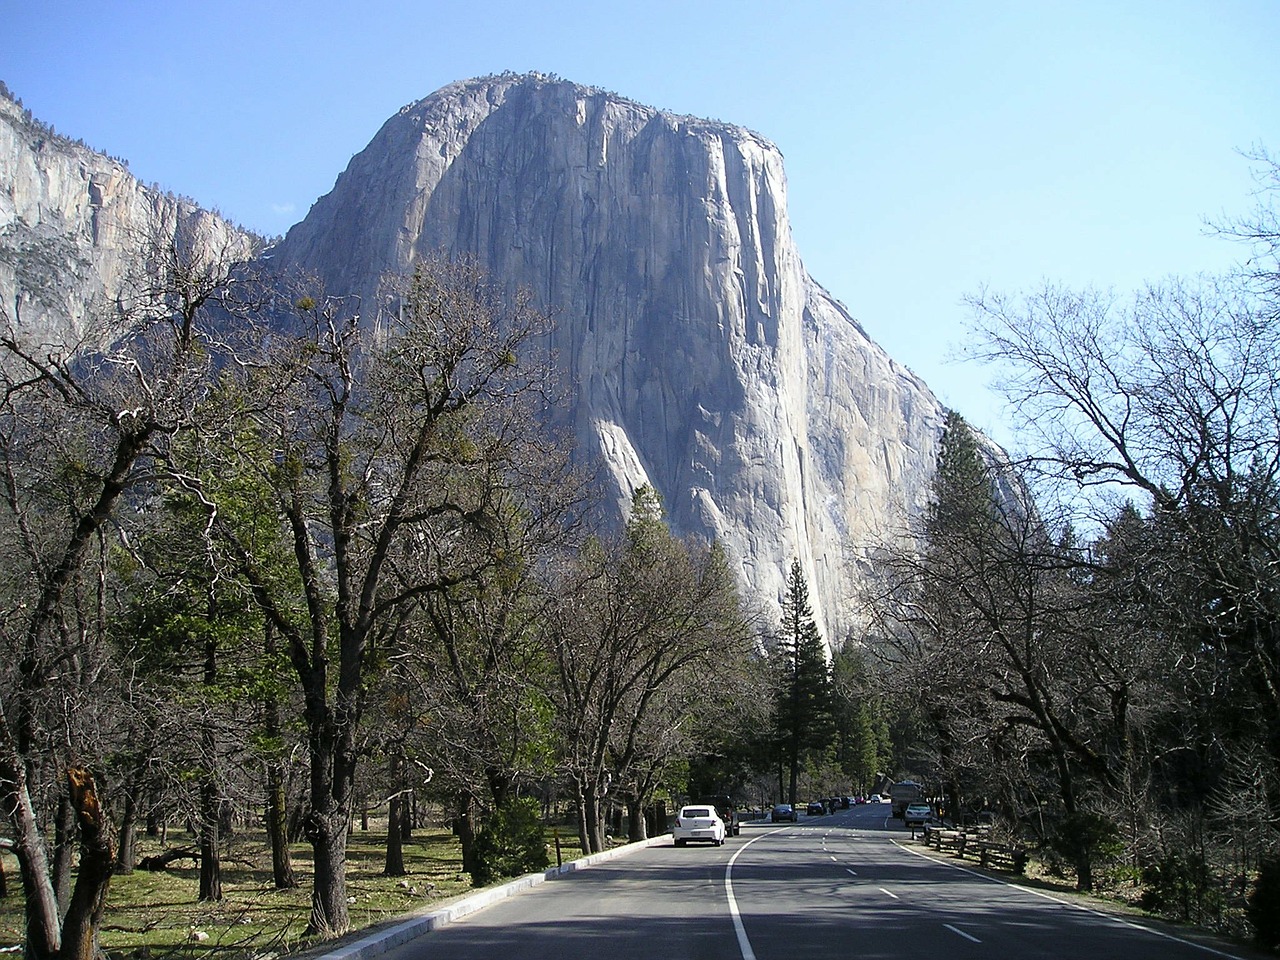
805 706
962 496
959 520
861 732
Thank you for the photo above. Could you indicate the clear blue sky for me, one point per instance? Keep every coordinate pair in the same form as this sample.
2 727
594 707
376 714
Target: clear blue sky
931 147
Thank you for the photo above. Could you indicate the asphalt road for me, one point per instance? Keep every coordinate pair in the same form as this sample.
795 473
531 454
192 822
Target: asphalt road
827 887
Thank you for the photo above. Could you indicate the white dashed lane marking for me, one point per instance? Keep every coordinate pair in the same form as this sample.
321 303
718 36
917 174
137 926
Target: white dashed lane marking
957 930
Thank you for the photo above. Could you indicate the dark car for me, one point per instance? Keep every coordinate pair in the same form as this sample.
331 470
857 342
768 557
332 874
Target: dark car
728 813
816 809
782 813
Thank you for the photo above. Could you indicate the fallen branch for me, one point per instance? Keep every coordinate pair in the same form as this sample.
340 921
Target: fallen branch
161 861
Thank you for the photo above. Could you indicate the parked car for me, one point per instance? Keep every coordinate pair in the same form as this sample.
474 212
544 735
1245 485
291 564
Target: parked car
917 814
783 813
698 823
728 813
816 809
876 798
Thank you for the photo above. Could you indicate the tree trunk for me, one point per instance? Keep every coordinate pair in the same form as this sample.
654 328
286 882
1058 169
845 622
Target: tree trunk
43 927
97 859
636 825
210 864
297 822
409 820
464 829
1066 790
499 786
328 823
277 805
210 794
584 834
127 854
278 830
793 761
1084 869
590 825
328 835
226 817
64 833
393 866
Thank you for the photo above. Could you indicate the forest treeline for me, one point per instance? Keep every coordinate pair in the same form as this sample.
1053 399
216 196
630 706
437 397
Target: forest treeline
1090 626
273 553
269 555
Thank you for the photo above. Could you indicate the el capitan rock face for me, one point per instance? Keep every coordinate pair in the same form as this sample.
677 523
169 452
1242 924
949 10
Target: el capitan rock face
706 361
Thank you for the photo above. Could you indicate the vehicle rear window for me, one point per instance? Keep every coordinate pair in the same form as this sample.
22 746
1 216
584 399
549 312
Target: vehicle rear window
695 812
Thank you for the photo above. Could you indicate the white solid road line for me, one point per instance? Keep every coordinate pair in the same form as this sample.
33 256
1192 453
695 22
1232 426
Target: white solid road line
744 944
1067 903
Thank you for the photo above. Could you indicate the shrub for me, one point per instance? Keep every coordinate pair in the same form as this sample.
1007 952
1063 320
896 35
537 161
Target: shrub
510 844
1182 886
1086 841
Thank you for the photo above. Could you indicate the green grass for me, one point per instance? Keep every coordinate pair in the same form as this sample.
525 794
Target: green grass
152 915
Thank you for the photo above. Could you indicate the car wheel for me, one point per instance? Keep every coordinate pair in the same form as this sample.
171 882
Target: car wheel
679 843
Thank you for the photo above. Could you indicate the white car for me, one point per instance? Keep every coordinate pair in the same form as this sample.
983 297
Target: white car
917 813
698 822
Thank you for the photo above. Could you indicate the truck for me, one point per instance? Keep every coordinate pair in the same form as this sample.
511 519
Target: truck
903 793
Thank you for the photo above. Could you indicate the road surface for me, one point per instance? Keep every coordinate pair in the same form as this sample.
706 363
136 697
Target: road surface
850 884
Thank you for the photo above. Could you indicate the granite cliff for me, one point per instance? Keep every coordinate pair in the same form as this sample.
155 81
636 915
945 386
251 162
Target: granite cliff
706 361
74 224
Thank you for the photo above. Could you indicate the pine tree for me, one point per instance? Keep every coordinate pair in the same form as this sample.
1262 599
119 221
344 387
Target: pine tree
961 531
805 705
860 726
962 494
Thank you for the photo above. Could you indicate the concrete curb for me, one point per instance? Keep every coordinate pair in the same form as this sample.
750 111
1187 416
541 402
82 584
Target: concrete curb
376 944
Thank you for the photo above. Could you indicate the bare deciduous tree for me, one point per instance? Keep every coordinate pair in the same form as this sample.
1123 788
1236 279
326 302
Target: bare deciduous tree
81 425
393 446
633 618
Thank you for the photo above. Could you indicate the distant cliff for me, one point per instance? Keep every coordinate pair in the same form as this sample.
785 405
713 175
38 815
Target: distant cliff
73 223
706 361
